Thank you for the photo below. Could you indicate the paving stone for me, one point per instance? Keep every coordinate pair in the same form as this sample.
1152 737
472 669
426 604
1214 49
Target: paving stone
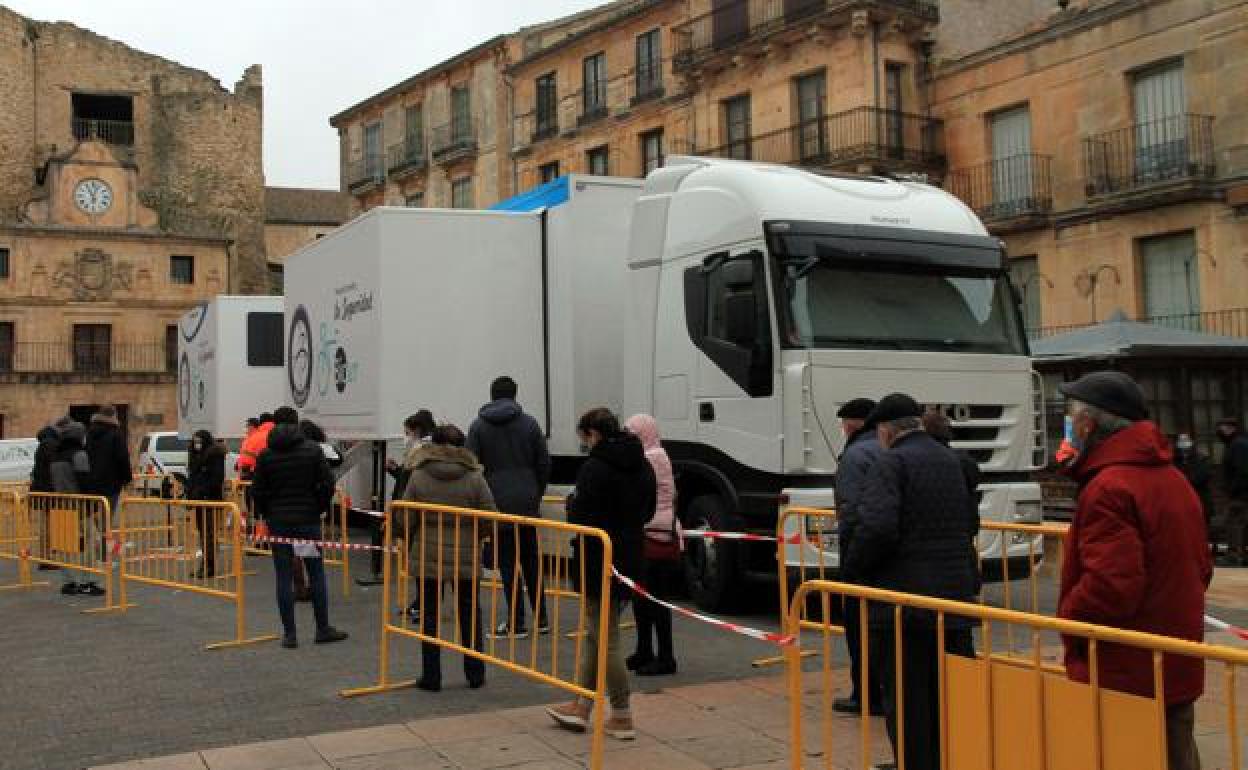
271 755
366 741
172 762
738 748
647 757
490 751
426 758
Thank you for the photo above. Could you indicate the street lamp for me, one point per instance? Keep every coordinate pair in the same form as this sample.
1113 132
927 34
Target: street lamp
1086 282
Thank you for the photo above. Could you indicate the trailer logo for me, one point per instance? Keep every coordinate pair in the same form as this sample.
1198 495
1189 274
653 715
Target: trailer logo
347 306
299 357
184 386
193 321
341 370
332 364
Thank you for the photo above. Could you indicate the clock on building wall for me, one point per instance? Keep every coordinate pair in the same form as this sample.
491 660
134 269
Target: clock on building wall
93 196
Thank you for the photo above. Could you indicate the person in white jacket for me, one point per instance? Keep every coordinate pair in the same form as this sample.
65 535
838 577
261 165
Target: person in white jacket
663 547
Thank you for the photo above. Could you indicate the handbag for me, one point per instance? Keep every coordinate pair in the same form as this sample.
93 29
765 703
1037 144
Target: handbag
655 549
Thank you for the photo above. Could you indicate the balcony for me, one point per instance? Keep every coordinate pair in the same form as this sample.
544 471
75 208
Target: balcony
593 103
1170 153
36 362
1009 193
365 175
1232 322
731 27
115 132
406 158
864 136
645 85
454 141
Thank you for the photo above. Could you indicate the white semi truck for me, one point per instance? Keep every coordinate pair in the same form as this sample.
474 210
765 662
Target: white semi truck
741 304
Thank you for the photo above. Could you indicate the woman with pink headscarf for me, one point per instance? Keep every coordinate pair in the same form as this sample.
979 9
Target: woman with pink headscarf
663 546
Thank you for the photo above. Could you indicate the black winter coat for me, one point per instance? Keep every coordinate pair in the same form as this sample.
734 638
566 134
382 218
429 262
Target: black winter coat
109 456
293 483
512 449
615 491
1235 467
917 521
852 469
206 474
41 472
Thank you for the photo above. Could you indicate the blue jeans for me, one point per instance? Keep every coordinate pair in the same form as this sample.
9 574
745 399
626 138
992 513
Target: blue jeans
284 570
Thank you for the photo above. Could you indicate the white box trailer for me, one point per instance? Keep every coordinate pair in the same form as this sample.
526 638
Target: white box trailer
229 364
403 309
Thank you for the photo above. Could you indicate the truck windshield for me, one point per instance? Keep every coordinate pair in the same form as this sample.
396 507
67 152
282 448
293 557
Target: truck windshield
866 306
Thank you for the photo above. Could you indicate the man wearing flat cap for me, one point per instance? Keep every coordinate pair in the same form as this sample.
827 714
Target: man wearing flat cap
916 523
862 448
1136 556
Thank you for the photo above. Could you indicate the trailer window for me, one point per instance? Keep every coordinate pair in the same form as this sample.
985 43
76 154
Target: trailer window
264 339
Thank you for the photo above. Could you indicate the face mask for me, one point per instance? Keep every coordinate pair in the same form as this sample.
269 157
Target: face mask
1071 435
408 441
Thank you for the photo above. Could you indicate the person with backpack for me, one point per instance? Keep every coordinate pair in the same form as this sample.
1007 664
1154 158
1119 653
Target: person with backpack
70 472
291 487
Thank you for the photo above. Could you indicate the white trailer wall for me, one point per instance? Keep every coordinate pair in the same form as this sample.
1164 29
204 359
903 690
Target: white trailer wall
405 309
218 385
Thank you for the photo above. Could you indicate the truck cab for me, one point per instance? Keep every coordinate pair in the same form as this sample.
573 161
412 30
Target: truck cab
767 297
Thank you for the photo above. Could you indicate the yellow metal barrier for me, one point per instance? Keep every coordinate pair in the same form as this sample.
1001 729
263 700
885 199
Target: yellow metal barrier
73 532
439 548
188 545
996 710
16 537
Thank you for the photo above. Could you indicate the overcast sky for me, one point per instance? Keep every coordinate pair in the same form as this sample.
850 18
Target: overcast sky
319 56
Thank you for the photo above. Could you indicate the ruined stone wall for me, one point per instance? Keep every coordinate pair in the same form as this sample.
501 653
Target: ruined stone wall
197 145
17 115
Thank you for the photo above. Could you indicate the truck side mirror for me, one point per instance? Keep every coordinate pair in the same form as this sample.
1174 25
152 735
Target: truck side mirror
740 318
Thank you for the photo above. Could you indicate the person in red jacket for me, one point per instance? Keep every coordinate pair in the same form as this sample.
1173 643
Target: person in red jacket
1137 555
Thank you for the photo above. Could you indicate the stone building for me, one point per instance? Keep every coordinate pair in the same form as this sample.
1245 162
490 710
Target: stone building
295 217
131 188
1107 145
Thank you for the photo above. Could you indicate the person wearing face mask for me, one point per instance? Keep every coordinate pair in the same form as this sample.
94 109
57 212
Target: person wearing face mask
1136 555
417 430
1199 473
206 481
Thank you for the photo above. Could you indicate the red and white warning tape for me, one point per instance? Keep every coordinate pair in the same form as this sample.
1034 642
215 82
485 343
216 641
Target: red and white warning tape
320 543
707 534
1222 625
763 636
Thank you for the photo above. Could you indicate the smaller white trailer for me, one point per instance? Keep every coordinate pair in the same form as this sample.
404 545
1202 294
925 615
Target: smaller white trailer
230 364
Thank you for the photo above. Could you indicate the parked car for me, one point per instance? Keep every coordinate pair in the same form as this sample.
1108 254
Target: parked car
160 452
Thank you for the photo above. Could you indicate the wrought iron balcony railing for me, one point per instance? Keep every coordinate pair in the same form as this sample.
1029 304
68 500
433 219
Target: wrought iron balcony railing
1173 149
365 173
1232 322
119 132
859 135
407 156
734 23
89 359
1007 188
453 140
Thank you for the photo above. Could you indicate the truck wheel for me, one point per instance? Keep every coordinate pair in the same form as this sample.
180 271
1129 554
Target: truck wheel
712 567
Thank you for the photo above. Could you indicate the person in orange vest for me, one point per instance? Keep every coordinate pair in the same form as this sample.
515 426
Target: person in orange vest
256 441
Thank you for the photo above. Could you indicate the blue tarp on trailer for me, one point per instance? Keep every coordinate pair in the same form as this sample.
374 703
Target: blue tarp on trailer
543 196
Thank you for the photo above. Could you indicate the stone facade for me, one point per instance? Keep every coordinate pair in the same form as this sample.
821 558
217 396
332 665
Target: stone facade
295 217
1074 73
131 188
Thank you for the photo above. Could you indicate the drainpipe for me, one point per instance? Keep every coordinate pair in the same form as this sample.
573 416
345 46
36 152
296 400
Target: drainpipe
875 78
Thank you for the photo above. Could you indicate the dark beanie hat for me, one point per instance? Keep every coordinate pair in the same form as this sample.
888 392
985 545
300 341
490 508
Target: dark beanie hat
894 406
1112 391
858 409
285 415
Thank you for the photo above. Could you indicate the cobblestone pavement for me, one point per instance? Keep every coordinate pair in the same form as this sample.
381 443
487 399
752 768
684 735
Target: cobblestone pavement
84 690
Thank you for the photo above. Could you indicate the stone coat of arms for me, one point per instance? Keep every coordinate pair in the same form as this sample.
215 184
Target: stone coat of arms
93 275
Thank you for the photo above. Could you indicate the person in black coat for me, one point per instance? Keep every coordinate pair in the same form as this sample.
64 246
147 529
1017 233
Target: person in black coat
291 486
512 448
205 467
1235 476
109 456
615 491
41 472
916 528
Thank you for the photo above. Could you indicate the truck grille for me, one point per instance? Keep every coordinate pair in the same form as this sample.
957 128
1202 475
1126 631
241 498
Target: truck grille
978 429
